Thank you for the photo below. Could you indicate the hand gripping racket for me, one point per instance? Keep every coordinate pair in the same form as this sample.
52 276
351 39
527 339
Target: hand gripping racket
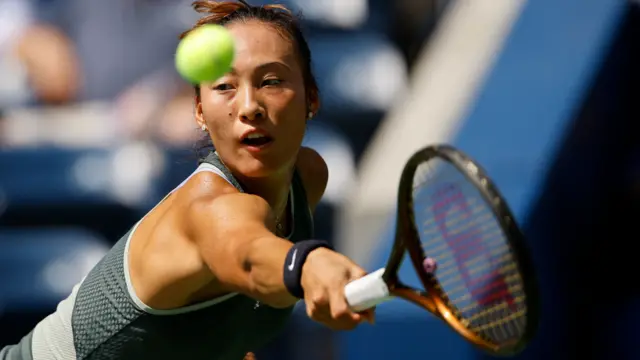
467 250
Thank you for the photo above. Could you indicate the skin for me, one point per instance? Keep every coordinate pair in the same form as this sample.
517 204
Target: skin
207 239
52 64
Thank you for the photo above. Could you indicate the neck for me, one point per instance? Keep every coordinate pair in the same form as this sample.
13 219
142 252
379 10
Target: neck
273 189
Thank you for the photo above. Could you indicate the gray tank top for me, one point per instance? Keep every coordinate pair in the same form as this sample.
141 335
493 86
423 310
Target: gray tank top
104 319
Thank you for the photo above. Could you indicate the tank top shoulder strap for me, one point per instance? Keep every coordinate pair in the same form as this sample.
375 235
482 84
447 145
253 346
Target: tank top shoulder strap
214 160
303 220
303 217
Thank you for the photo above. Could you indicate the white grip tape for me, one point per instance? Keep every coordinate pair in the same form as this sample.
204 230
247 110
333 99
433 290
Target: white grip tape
367 292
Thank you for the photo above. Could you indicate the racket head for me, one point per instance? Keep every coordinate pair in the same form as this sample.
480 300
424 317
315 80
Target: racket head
497 310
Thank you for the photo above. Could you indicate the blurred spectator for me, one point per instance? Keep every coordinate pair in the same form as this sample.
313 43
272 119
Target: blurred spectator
159 107
38 63
126 49
177 126
121 41
51 64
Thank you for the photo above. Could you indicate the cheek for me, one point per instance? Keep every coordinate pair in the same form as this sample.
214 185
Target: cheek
295 133
293 110
296 123
216 115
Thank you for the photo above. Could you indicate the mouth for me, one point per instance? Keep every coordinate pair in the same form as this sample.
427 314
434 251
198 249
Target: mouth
256 140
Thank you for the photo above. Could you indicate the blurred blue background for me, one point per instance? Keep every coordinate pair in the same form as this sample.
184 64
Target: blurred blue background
96 127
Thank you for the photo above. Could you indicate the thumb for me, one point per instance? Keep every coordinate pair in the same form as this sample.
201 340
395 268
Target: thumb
356 272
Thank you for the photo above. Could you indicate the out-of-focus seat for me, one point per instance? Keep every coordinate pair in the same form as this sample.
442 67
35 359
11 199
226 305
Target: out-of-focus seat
103 190
38 268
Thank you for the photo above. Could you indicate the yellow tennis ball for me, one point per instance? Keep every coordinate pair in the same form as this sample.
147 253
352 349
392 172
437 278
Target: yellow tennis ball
205 54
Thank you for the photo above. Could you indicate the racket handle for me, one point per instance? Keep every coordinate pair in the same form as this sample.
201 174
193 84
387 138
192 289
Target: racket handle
367 292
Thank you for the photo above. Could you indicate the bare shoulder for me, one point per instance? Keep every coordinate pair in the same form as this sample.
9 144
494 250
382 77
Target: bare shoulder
162 252
205 184
202 200
209 189
209 203
314 173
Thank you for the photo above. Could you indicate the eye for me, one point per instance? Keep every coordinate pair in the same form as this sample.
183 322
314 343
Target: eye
223 87
271 82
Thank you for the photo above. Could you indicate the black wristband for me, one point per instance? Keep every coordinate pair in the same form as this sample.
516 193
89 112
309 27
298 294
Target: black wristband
296 257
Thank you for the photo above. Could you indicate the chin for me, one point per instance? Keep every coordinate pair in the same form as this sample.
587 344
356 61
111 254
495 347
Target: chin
252 166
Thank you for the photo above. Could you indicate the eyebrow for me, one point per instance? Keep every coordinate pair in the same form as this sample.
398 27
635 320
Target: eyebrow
265 65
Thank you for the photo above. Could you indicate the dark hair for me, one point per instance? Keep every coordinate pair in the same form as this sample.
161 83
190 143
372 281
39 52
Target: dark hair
281 18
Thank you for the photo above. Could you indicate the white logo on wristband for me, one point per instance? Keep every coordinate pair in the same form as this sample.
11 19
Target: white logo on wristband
293 260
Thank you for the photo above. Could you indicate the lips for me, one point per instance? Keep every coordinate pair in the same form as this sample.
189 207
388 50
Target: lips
256 139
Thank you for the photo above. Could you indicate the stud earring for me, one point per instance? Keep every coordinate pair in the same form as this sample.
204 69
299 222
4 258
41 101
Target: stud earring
310 115
204 127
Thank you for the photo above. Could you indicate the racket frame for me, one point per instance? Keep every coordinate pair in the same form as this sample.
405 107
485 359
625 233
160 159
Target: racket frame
407 239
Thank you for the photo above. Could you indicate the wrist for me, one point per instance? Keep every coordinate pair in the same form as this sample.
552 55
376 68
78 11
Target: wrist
294 264
309 264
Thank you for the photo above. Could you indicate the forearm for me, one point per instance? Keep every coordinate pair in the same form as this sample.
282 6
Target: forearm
252 266
264 259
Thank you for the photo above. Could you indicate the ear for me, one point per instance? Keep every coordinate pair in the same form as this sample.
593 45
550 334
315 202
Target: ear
198 113
314 102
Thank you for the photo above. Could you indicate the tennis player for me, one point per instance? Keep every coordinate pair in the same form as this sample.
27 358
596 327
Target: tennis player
213 271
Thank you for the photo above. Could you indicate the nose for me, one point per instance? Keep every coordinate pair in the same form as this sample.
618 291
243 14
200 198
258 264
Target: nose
249 108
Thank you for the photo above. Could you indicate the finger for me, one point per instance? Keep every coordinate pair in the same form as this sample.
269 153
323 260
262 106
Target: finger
369 316
319 312
366 315
356 273
323 316
340 310
337 318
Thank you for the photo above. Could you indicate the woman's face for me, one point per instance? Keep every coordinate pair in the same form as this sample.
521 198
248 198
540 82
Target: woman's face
256 115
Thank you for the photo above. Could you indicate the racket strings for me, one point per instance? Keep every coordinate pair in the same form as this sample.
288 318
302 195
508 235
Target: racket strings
477 274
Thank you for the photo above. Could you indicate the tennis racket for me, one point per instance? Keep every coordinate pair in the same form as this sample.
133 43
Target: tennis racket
466 249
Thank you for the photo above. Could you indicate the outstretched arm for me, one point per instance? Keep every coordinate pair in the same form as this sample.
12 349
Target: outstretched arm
234 235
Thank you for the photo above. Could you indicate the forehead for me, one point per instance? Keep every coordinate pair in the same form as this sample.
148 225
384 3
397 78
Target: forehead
258 43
